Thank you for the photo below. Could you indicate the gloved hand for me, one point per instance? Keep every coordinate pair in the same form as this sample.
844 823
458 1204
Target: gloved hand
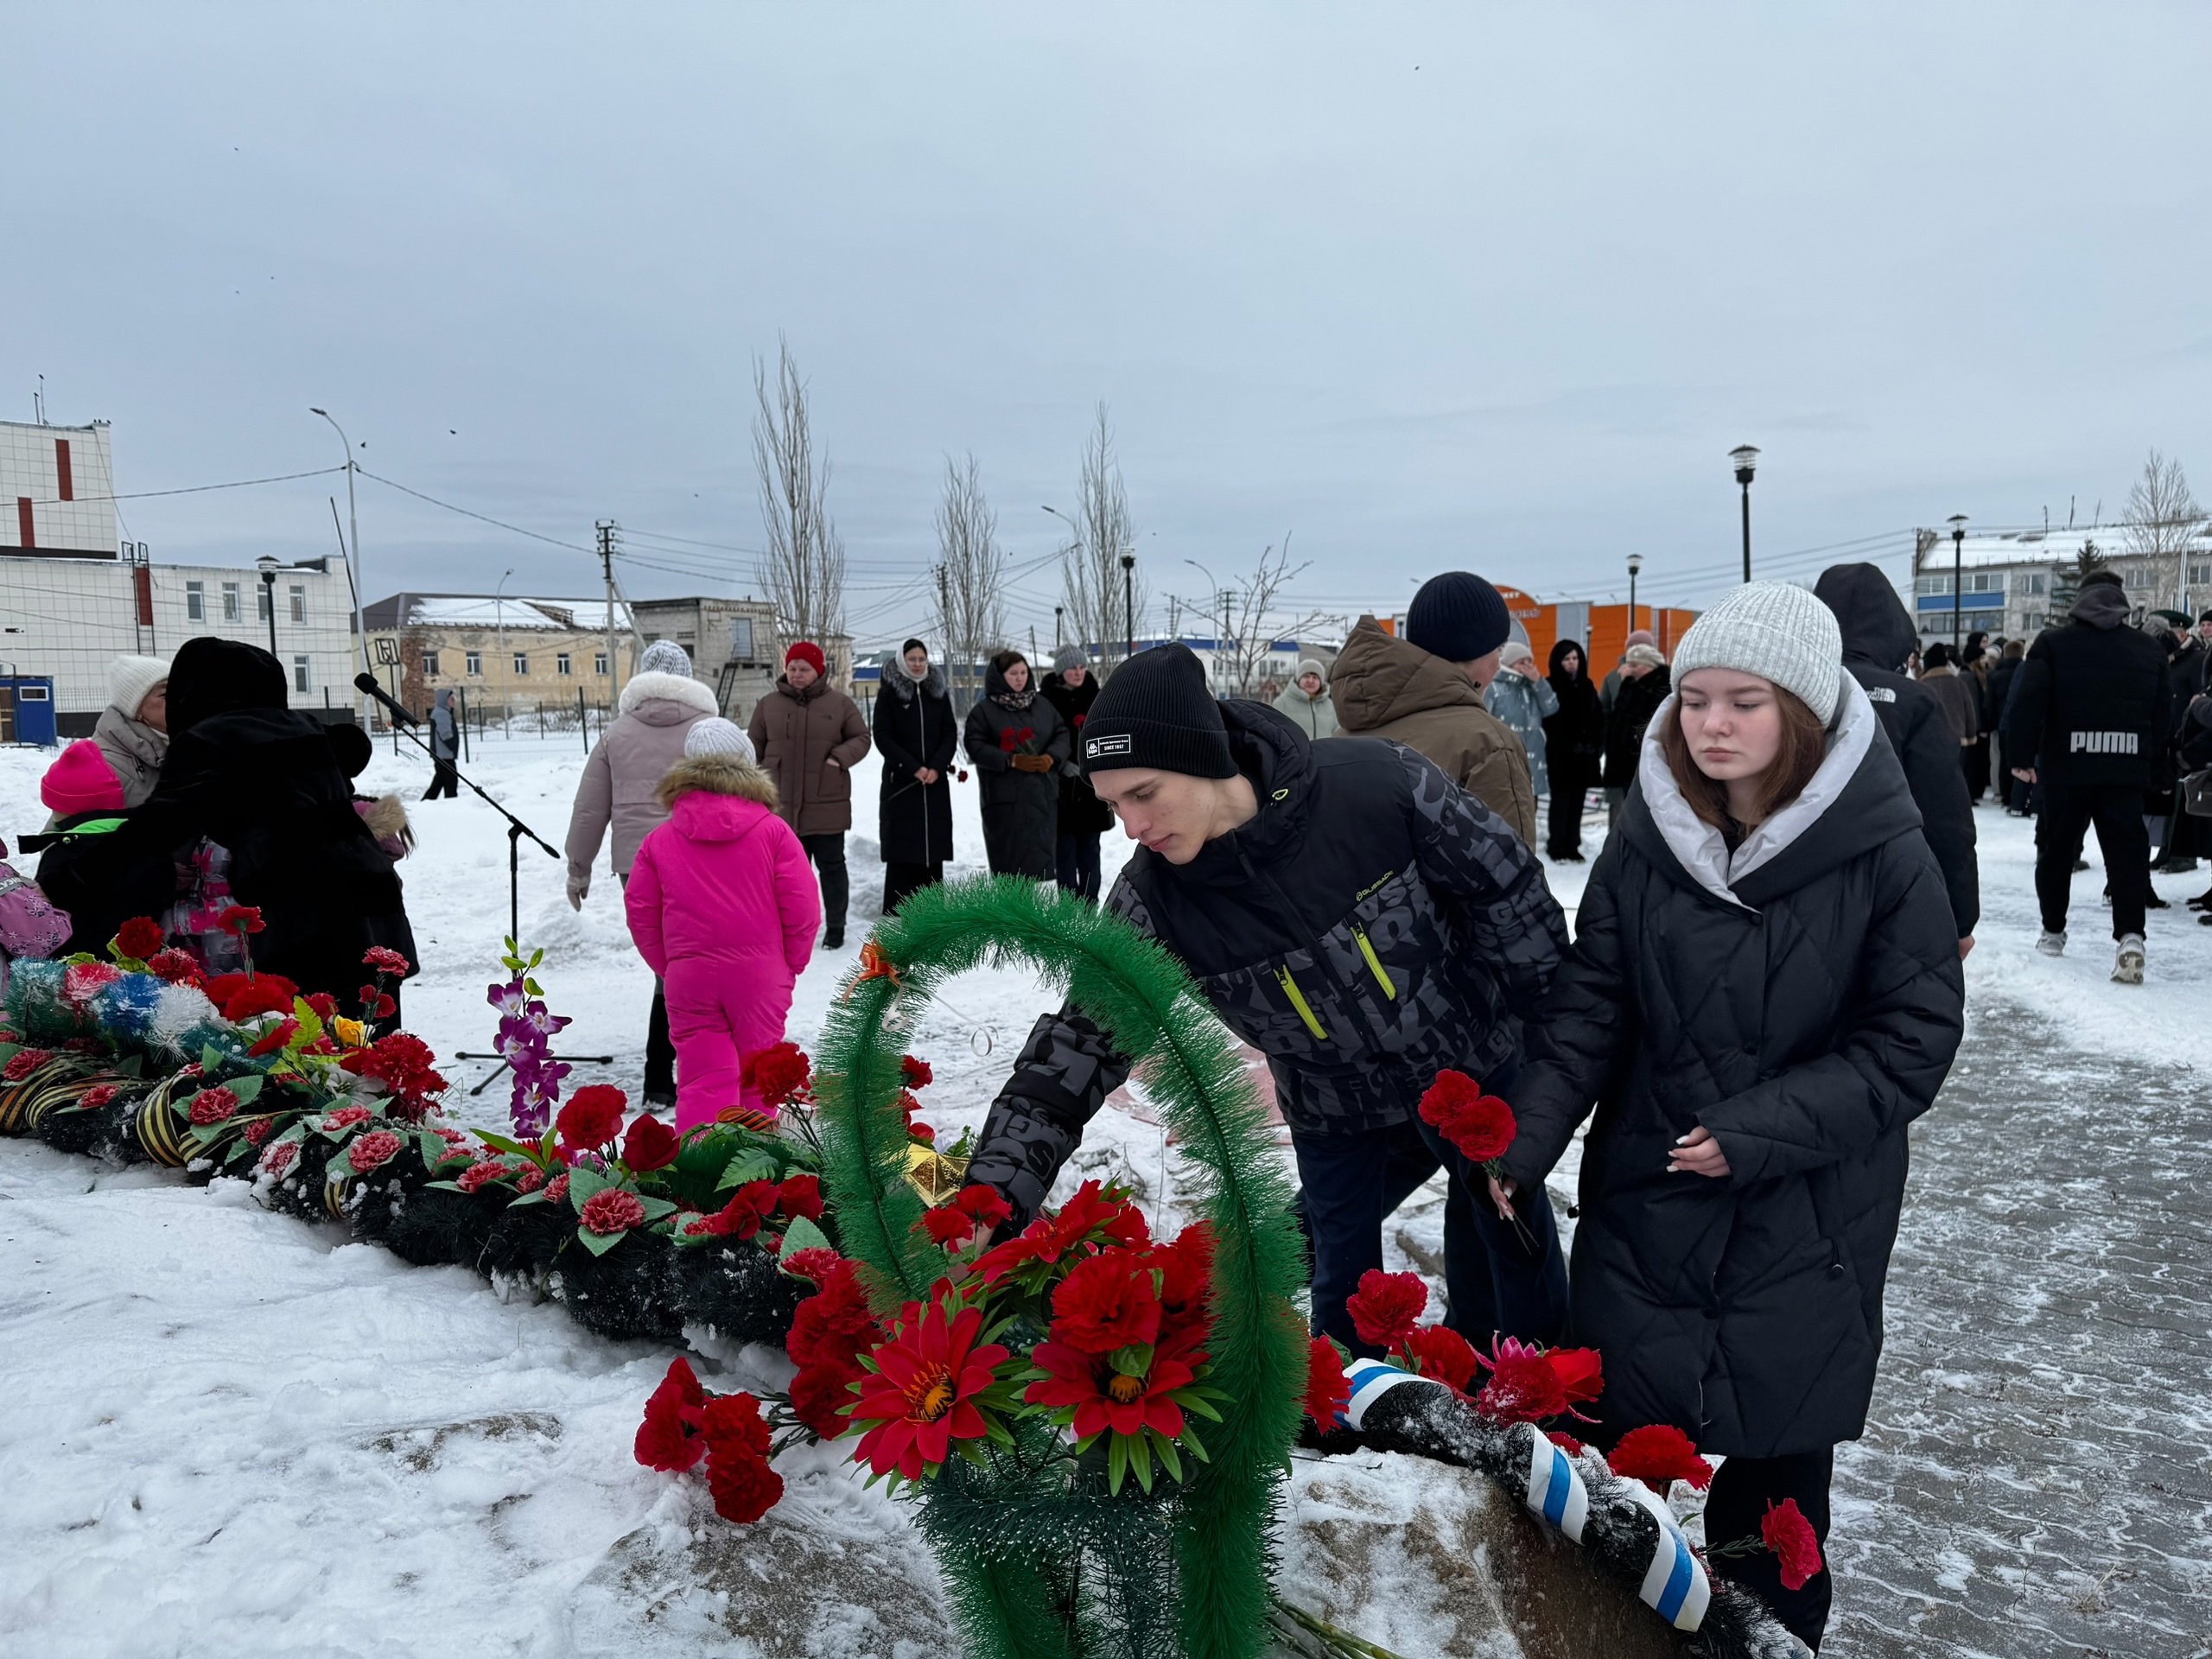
579 885
1033 763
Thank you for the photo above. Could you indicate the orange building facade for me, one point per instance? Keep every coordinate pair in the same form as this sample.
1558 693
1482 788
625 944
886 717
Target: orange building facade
1605 627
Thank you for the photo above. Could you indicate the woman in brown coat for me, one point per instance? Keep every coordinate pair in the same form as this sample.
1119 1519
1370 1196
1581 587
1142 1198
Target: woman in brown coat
810 736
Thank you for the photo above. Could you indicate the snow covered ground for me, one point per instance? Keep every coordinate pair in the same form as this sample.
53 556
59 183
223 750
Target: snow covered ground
230 1431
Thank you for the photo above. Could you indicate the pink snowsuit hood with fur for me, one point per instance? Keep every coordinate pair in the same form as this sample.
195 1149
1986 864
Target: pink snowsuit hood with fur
723 907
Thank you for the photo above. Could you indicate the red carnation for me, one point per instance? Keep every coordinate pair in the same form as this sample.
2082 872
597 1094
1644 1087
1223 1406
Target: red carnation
650 1145
983 1205
801 1197
277 1036
915 1074
1565 1441
819 1397
1791 1537
670 1436
373 1150
175 966
375 1005
215 1105
1027 732
1385 1306
23 1062
100 1093
324 1006
1109 1302
385 960
344 1117
1659 1455
1008 738
1185 1280
1442 1353
923 1133
1522 1387
732 1423
592 1118
239 919
241 998
477 1176
814 1263
948 1226
530 1179
1481 1126
1327 1393
834 1326
744 1486
278 1157
1581 1373
557 1191
255 1132
612 1210
776 1075
138 939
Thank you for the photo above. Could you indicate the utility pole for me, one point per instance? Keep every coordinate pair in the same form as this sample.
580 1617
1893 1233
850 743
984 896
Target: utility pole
956 671
607 532
1129 602
1059 611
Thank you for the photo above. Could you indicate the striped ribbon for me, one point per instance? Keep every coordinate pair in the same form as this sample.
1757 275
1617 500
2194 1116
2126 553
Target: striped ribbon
1555 1492
1370 1380
1675 1585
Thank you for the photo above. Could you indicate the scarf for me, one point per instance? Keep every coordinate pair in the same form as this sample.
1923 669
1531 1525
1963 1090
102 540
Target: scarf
1016 700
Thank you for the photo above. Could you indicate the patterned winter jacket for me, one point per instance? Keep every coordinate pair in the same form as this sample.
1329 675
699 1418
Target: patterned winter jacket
1372 925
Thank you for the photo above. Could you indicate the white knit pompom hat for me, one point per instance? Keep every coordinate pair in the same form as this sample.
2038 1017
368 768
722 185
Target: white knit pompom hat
130 679
1778 632
715 736
665 657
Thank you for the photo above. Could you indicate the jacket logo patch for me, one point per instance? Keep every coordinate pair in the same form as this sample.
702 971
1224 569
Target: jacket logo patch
1112 743
2102 743
1881 693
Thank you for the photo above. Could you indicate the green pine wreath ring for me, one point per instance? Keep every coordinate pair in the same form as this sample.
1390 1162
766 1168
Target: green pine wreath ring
1135 989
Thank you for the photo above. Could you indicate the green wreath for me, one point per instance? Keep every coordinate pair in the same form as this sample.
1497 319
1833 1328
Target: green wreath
1038 1566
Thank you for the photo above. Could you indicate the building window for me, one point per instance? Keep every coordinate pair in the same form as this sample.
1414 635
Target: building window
2026 583
1986 583
475 663
299 602
599 662
430 665
264 598
300 673
195 602
1933 585
2200 575
561 663
740 638
522 664
230 601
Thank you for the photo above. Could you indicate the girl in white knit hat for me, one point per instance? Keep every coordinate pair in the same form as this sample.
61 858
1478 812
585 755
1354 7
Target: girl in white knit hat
133 730
1764 992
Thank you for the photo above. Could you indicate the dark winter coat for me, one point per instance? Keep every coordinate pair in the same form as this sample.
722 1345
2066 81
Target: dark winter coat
915 727
1878 638
2091 705
1021 810
809 741
1801 999
1634 703
1082 813
445 729
1574 738
82 875
1372 925
1999 690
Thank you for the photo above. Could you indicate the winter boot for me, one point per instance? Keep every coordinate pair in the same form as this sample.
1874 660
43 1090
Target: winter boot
2128 964
2052 944
834 939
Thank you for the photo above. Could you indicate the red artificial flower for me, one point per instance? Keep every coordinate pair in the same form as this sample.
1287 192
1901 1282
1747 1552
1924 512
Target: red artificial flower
1327 1393
23 1062
820 1394
1565 1441
800 1196
324 1004
1791 1537
592 1118
1049 1237
744 1487
611 1210
277 1036
1109 1302
1104 1398
215 1105
268 994
375 1005
139 938
915 1074
1480 1125
83 981
239 919
1186 1280
255 1132
100 1093
175 966
530 1179
921 1397
650 1145
1385 1306
1522 1387
372 1150
834 1326
983 1205
279 1157
344 1118
923 1133
385 960
776 1075
670 1436
1581 1373
557 1191
477 1176
1659 1455
948 1226
1442 1353
742 1217
814 1263
732 1423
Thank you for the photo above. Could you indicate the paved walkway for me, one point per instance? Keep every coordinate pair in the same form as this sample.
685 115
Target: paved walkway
2037 1477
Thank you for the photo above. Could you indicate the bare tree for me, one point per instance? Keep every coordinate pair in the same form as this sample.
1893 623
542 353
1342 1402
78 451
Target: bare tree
970 580
2163 519
1093 586
1248 620
802 569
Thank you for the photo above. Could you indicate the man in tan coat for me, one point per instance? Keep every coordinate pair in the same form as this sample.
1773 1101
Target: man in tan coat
810 736
1425 691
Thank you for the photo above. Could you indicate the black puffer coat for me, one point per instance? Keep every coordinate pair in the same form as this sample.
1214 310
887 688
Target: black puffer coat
1805 1022
915 726
1082 813
1634 704
1372 925
2093 704
1021 810
1574 738
1878 638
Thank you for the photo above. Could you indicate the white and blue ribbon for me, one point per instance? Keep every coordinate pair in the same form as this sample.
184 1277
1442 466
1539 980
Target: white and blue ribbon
1675 1585
1370 1380
1555 1492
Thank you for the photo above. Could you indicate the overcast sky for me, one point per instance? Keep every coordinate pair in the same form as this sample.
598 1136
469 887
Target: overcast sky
1420 289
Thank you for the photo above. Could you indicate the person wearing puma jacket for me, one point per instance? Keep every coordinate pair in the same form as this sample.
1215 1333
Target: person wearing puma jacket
1372 925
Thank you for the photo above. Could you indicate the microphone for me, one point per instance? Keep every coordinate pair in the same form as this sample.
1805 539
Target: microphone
367 681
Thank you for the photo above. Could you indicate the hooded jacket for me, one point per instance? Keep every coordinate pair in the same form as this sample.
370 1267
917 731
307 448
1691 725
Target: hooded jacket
133 750
2091 706
1574 738
1384 687
1082 813
1800 996
1316 716
797 735
1021 810
1522 706
1372 924
1878 638
1635 702
1958 695
621 782
915 727
445 729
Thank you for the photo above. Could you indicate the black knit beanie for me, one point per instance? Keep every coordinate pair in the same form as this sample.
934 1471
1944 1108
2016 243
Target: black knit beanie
1156 711
1458 616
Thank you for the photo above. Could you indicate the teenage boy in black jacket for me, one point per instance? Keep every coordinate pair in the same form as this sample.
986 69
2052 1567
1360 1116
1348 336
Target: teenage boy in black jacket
1351 914
2089 718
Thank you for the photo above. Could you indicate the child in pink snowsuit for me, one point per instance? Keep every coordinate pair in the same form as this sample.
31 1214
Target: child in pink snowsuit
723 904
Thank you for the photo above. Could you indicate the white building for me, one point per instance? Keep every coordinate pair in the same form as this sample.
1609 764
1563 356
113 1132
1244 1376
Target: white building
2007 583
57 487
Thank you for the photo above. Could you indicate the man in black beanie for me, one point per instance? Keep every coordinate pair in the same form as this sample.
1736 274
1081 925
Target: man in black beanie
1355 916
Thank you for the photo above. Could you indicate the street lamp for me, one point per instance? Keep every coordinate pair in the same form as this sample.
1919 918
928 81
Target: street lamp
1635 565
1958 522
268 567
1059 611
353 530
1746 459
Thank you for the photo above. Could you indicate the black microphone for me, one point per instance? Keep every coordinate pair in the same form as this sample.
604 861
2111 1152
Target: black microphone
367 681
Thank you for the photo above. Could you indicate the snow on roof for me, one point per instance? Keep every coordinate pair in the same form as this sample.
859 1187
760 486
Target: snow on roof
510 612
2035 547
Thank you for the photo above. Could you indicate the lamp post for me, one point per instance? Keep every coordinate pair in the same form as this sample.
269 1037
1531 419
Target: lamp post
269 566
1958 522
353 533
1747 460
1129 602
1635 565
1059 612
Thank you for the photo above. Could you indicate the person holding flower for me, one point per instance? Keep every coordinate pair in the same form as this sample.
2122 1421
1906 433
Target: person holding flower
1017 742
1764 992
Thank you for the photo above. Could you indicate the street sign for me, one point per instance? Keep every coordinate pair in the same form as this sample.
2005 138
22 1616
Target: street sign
387 651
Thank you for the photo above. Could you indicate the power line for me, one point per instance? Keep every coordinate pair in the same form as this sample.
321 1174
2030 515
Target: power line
188 489
466 512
